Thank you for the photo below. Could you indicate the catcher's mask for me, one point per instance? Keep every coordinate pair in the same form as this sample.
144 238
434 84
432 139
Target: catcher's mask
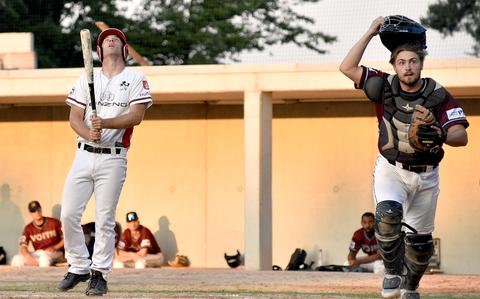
116 32
234 260
398 30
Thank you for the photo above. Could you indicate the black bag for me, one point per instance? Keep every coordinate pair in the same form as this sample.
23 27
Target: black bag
297 261
3 256
332 268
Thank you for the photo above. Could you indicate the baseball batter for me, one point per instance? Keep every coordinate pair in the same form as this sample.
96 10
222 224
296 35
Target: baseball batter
100 163
405 181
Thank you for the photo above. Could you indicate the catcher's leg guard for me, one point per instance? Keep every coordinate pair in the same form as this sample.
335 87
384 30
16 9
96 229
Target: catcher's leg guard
390 238
418 250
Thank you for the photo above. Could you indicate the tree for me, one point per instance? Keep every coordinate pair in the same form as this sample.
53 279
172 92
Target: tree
208 31
56 26
449 16
164 31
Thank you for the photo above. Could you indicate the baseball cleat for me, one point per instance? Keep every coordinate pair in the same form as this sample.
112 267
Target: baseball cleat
391 286
97 285
70 280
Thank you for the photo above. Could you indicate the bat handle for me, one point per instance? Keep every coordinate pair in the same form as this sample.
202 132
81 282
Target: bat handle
94 114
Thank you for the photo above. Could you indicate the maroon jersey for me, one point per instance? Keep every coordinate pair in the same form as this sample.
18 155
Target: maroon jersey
445 109
361 240
134 242
46 235
449 114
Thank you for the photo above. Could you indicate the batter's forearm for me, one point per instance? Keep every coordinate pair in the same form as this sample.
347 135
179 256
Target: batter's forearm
80 128
131 119
122 122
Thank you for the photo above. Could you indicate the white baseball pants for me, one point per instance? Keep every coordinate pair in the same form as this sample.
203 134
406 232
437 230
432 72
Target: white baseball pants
417 192
102 175
44 258
148 261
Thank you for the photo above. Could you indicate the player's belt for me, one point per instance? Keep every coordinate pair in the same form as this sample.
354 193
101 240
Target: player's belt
414 168
98 150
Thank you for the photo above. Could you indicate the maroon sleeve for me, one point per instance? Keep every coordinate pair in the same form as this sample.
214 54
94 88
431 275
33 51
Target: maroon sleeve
58 228
25 237
148 241
124 243
450 113
356 242
367 73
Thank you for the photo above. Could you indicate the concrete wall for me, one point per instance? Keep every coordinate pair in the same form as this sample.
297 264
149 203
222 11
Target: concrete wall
186 178
17 51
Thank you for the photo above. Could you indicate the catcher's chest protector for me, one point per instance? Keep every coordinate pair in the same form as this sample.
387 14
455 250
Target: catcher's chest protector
397 115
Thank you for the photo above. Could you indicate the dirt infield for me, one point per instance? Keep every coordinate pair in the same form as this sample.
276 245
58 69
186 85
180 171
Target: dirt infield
226 283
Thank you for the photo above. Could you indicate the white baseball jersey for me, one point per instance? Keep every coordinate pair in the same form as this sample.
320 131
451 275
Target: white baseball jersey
114 96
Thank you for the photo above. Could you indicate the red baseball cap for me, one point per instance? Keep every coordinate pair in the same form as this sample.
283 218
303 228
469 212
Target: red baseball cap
111 31
107 32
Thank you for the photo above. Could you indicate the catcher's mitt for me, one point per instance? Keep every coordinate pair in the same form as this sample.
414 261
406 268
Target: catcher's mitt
425 134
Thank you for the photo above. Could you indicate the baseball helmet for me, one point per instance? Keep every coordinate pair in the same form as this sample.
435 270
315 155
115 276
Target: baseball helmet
398 30
107 32
233 260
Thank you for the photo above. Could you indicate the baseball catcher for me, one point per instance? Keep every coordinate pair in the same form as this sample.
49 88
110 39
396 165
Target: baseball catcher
416 117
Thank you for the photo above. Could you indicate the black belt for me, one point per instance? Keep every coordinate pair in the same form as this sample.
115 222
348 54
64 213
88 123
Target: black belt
414 168
98 150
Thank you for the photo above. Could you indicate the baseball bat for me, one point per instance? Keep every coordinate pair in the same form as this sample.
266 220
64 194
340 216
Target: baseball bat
88 62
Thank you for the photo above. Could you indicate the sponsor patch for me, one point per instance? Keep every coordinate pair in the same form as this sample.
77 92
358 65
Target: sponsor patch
145 84
455 113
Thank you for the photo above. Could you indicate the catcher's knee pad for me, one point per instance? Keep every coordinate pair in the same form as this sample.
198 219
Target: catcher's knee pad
389 234
418 250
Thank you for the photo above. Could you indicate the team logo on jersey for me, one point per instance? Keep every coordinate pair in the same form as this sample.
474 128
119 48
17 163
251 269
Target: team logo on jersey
124 85
43 235
455 113
107 96
145 84
407 107
72 91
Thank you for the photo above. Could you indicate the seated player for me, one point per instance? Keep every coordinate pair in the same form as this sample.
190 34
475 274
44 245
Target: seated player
46 237
137 246
89 234
364 239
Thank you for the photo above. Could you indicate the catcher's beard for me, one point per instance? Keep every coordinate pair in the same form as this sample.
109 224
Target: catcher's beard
411 81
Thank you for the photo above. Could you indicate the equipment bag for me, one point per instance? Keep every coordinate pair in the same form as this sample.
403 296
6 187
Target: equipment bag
3 256
297 260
